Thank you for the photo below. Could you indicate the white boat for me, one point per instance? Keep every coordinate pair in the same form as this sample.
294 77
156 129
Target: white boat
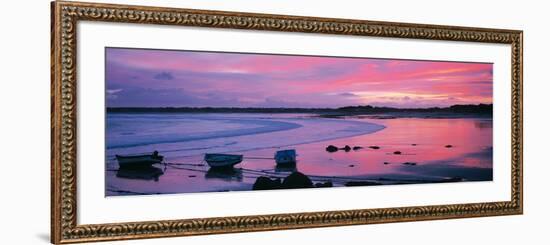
139 161
222 160
285 157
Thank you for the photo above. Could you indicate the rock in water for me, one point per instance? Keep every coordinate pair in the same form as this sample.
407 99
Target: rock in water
375 147
397 152
361 183
332 148
265 183
357 148
448 146
297 180
346 148
325 184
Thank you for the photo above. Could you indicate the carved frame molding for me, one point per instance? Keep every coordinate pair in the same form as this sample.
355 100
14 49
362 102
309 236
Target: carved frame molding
66 15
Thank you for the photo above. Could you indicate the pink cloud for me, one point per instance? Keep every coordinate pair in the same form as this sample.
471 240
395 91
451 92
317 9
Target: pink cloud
316 81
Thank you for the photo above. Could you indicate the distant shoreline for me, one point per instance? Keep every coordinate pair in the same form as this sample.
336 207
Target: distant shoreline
481 109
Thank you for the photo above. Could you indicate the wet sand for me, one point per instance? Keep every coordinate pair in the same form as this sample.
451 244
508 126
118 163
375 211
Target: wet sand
422 142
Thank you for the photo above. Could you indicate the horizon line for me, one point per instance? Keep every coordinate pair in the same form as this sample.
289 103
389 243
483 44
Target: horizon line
308 108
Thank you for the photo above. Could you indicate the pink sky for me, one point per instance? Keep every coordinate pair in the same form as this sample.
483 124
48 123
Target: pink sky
157 78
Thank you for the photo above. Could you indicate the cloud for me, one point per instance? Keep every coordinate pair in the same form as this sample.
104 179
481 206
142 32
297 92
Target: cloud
113 91
243 80
348 94
164 76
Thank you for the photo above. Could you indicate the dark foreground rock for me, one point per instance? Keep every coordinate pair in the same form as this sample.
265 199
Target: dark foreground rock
357 148
397 152
347 148
453 179
375 147
448 146
265 183
296 180
293 181
361 183
325 184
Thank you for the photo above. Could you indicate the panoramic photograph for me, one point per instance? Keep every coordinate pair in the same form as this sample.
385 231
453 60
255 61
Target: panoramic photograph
180 121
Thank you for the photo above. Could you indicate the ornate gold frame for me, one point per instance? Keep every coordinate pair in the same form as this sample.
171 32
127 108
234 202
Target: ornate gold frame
65 16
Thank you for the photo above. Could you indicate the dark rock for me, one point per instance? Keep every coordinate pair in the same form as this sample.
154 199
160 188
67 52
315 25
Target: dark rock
448 146
452 179
325 184
410 163
413 144
351 165
386 163
297 180
375 147
357 148
397 152
361 183
332 148
265 183
192 176
347 148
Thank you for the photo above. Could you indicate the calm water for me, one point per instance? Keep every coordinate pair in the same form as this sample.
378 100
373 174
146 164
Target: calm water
184 138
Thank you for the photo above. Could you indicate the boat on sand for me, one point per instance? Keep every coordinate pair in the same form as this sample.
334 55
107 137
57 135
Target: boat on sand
139 161
285 157
215 160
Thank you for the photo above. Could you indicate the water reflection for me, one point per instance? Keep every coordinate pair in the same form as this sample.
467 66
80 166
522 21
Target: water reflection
147 173
226 174
286 168
421 141
482 124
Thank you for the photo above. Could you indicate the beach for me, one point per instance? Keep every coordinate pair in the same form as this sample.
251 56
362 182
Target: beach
431 150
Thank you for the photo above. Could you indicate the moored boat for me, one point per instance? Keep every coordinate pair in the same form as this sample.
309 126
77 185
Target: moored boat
139 161
285 157
222 160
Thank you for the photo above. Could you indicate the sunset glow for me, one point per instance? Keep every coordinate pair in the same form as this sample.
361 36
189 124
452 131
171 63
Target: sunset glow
161 78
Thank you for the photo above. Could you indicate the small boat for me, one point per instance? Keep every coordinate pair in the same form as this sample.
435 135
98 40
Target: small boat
285 157
222 160
139 161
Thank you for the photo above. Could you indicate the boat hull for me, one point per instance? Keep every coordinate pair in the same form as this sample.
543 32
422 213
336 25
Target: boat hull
222 160
285 157
142 161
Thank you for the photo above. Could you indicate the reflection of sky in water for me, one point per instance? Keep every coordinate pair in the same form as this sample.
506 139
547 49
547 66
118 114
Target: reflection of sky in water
421 141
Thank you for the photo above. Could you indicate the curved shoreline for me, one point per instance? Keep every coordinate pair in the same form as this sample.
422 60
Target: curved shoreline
275 132
379 128
266 127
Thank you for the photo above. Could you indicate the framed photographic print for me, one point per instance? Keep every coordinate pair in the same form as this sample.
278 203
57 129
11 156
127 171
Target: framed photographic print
175 122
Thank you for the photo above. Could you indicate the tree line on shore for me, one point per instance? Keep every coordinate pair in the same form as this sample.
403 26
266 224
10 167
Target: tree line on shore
361 109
